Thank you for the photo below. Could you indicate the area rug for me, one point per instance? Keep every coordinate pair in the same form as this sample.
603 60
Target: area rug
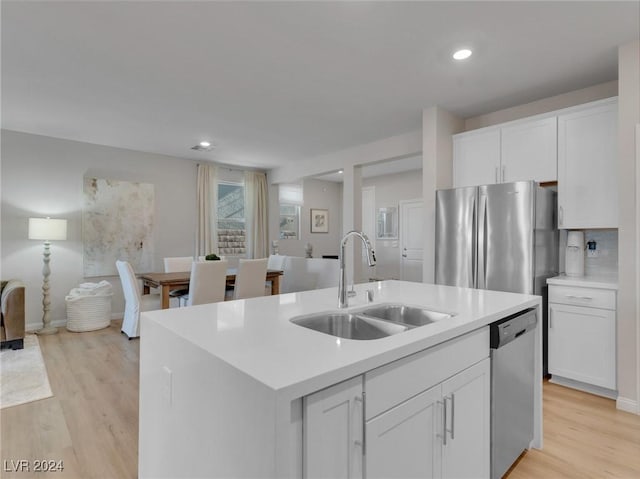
23 376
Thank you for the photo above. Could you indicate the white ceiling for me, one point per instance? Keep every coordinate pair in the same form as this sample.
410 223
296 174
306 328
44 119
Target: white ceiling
373 170
275 82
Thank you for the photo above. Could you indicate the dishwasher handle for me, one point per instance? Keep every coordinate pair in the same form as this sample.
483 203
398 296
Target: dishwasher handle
512 327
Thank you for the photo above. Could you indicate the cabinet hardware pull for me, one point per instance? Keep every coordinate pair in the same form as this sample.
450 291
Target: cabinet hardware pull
550 318
504 169
453 415
578 297
363 443
444 422
497 175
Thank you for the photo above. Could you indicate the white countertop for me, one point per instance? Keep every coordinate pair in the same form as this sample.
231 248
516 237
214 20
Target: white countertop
592 281
256 337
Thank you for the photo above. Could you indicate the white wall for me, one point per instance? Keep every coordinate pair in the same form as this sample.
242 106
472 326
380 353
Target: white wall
628 319
389 191
43 176
316 194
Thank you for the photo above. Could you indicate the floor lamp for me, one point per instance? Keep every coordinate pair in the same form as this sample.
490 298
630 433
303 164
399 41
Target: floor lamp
47 229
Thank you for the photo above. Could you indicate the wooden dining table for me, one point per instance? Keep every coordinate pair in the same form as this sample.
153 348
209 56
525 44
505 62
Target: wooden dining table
170 281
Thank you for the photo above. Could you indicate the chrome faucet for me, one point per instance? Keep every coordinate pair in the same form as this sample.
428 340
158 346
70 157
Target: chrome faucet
343 301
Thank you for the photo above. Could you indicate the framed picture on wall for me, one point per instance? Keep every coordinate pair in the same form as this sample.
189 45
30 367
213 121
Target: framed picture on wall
319 221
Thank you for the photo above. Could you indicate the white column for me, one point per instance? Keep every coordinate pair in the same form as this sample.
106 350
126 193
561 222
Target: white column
352 218
437 172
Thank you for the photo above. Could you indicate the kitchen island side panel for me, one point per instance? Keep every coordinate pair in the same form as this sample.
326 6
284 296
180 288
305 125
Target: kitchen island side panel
199 417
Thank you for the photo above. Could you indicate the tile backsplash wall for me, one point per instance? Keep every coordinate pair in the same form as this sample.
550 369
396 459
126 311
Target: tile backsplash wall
606 261
607 250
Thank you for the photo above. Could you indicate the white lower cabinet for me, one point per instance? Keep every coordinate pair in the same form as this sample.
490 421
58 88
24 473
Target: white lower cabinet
404 442
333 431
582 335
582 344
467 452
426 415
442 432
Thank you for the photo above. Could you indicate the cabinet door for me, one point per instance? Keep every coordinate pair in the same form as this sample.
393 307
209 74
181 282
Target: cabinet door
466 450
405 441
476 158
582 344
529 151
333 426
588 168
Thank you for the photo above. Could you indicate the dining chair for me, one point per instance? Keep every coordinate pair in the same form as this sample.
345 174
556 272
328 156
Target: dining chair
250 278
177 264
207 283
134 302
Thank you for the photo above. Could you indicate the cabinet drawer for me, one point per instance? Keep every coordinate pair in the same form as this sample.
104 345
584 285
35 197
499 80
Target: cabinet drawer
594 298
400 380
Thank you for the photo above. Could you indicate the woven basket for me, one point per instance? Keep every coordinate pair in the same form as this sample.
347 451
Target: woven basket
88 313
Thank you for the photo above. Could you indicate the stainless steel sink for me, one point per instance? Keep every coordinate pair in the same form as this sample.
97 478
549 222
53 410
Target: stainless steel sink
349 325
407 315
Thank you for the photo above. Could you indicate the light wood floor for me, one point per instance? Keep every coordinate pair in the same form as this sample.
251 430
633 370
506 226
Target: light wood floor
91 423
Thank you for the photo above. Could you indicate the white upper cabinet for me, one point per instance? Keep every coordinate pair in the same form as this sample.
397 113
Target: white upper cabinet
518 151
528 151
476 157
588 166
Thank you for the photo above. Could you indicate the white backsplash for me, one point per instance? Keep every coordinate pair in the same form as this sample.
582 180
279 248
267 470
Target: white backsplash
606 261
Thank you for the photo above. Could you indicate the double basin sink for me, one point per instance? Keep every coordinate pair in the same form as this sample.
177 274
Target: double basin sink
374 322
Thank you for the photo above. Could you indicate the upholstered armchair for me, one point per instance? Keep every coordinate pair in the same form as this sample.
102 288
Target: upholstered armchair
12 320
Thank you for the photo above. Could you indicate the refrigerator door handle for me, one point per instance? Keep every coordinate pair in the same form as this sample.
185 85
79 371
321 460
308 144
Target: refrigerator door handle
482 243
474 246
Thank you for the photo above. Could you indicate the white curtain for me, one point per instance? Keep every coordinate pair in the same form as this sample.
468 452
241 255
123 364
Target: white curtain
256 212
207 194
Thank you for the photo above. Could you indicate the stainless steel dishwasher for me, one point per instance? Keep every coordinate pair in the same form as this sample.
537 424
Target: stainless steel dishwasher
512 381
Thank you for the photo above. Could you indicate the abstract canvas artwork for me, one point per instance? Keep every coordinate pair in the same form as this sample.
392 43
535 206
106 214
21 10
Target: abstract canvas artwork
117 223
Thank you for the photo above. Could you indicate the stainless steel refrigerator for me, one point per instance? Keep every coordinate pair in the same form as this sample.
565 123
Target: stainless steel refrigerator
501 237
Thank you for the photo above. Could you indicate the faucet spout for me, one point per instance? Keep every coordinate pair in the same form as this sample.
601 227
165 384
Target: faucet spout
343 301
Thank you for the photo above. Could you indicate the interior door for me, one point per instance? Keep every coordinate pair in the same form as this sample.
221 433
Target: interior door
412 222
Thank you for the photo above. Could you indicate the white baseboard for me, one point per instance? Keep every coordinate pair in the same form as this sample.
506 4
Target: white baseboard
588 388
627 405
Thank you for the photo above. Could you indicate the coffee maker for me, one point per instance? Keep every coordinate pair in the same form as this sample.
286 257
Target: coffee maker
574 255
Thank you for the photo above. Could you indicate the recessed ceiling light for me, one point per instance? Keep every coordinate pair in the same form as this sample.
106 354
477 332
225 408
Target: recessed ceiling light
203 146
462 54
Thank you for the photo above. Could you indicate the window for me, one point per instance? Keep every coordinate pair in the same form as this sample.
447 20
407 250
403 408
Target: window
290 201
231 219
289 221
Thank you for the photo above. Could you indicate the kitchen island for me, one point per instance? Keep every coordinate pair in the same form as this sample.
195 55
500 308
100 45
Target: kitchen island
229 389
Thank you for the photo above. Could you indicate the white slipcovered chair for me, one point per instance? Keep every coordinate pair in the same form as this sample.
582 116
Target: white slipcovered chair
177 264
135 302
325 272
296 275
276 261
207 283
250 278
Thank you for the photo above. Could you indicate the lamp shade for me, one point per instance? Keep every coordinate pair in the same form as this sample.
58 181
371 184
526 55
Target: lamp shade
47 229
